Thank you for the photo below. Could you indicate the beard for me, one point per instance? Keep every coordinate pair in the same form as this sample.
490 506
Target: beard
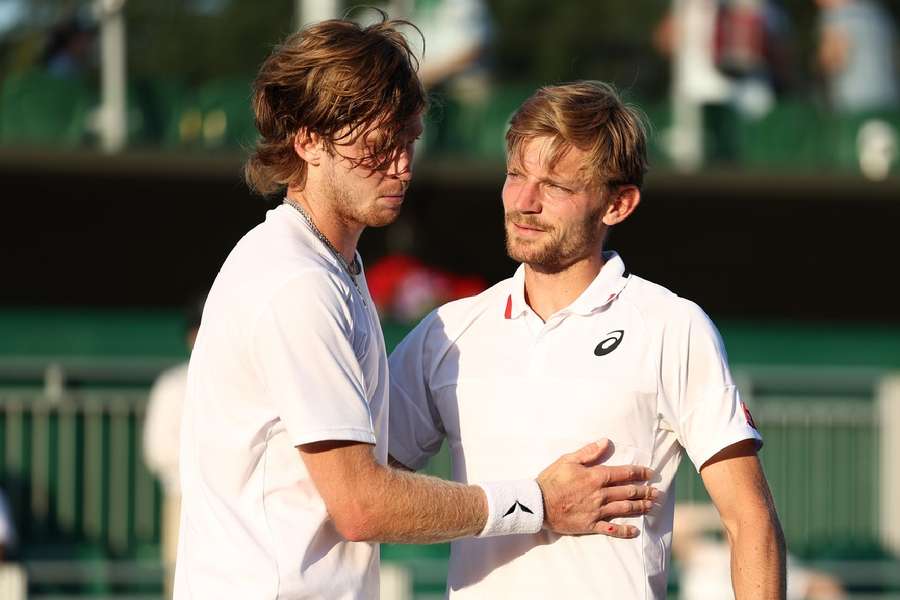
558 247
353 207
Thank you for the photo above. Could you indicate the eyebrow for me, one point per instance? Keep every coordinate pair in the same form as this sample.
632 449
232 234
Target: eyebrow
570 184
574 184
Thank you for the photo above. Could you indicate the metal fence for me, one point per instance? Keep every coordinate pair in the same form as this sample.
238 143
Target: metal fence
821 455
70 463
73 472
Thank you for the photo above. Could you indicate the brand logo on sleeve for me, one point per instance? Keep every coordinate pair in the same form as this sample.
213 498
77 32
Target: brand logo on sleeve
610 343
749 416
520 506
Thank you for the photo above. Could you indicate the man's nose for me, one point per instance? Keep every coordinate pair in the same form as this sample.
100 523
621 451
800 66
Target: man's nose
527 198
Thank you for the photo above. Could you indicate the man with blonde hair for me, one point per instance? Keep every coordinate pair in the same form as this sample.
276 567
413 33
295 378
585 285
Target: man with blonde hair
285 488
574 348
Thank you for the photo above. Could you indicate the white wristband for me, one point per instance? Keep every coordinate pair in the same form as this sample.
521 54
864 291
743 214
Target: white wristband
513 507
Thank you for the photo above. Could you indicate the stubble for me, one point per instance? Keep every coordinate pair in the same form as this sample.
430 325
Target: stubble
558 248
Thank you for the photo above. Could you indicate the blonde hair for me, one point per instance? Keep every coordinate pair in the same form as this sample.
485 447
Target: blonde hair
339 80
590 116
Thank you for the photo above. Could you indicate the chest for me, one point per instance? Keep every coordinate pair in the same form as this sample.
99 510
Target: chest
533 396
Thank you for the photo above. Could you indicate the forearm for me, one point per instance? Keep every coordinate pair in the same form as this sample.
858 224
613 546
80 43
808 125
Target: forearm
757 558
403 507
369 501
737 485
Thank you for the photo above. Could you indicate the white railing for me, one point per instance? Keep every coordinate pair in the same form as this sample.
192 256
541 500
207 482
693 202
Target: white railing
70 440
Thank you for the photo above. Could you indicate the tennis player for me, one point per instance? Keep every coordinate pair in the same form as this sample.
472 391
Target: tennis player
571 348
284 439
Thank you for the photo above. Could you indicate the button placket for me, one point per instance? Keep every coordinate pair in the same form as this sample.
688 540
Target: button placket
537 362
536 330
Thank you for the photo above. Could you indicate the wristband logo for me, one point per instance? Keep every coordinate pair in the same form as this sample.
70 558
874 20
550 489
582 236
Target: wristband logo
610 343
521 507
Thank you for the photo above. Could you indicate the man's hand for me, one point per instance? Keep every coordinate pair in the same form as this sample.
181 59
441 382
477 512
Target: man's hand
582 499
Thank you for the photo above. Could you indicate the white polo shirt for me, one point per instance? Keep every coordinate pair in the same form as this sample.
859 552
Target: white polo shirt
288 353
627 360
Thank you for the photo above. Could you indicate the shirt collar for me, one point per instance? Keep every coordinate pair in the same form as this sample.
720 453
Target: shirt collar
605 287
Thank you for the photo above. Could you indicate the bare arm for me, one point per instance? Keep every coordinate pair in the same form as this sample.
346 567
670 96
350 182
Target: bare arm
737 485
372 502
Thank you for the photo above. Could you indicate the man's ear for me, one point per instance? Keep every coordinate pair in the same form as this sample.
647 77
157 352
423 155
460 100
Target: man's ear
308 146
625 198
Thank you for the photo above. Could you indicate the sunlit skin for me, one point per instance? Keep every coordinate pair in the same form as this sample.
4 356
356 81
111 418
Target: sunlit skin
343 197
556 220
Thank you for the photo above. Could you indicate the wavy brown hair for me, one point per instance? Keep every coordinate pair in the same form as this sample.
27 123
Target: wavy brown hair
590 116
339 80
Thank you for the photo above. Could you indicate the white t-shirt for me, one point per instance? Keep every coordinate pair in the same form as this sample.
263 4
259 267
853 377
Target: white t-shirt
288 353
627 360
162 426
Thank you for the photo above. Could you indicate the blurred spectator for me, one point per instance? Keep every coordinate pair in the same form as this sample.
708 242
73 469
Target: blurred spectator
162 432
728 61
856 52
404 289
453 66
69 47
13 581
705 561
687 34
751 51
456 35
7 530
48 99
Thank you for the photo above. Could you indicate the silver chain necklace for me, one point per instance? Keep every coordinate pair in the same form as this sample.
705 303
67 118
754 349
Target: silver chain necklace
353 270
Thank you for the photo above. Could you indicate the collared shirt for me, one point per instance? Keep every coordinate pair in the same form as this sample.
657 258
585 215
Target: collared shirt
627 360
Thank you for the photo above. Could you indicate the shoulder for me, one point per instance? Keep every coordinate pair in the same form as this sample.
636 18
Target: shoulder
457 316
305 293
276 250
443 326
278 262
662 309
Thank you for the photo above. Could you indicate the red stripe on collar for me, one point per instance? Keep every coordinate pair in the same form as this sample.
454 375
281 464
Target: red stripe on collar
508 313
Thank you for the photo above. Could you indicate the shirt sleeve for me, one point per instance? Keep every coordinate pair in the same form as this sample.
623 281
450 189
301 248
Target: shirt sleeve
700 400
303 346
416 430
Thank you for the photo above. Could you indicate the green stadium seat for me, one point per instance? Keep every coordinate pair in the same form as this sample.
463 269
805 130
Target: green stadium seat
38 108
790 136
221 110
155 107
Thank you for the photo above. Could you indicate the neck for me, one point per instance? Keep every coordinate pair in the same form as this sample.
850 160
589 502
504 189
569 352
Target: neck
343 234
549 292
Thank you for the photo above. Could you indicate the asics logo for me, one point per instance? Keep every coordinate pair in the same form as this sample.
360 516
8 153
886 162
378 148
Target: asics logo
610 343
